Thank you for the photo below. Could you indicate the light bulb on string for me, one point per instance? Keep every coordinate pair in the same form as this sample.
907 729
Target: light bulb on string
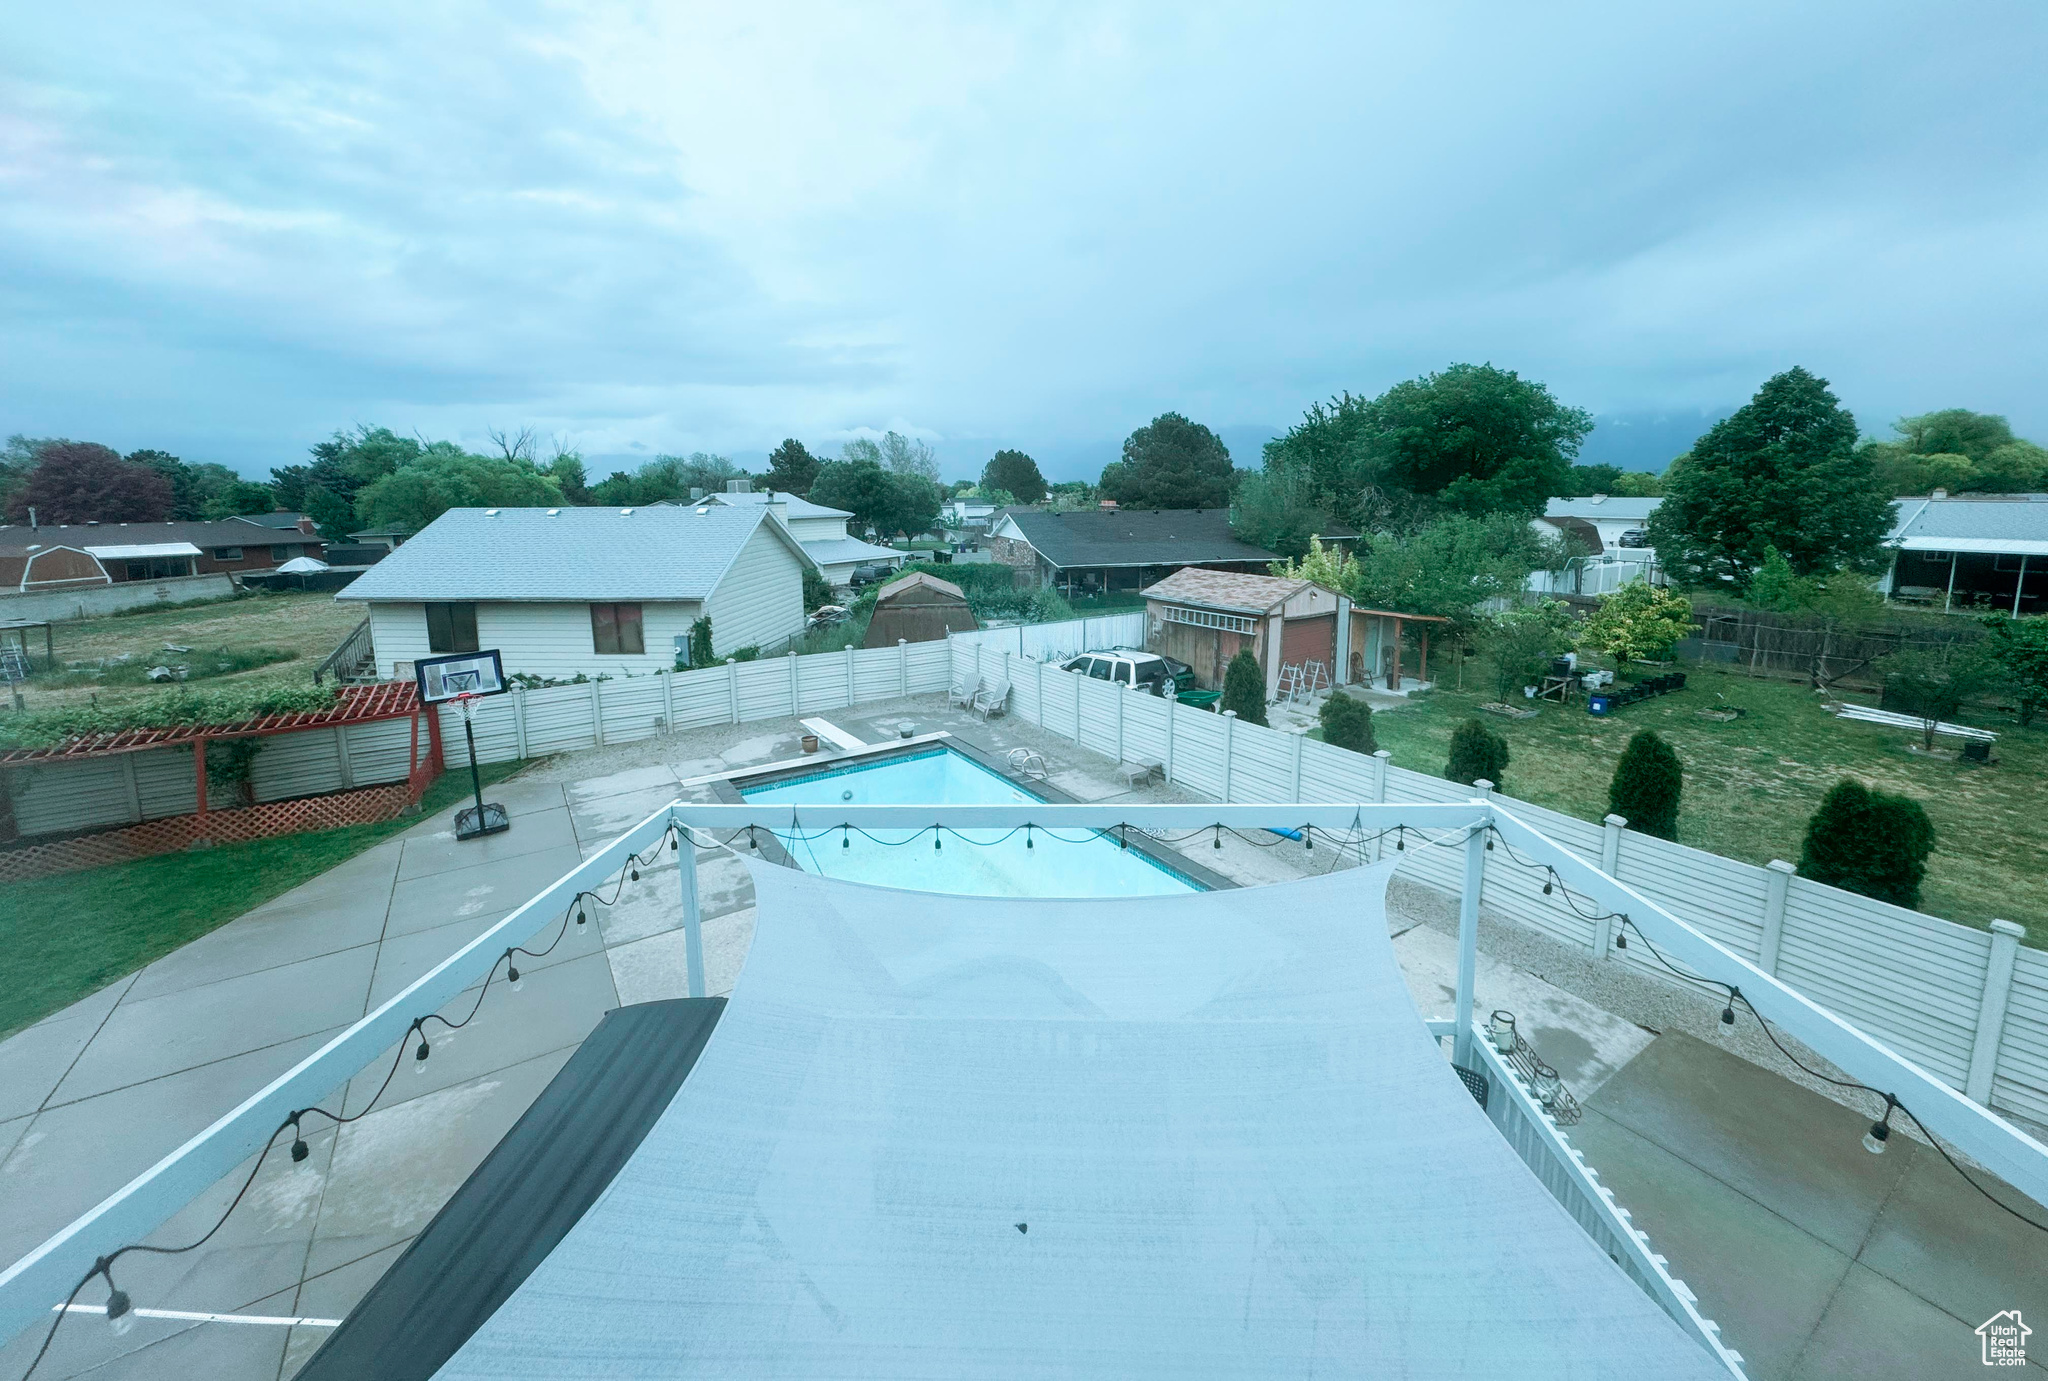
300 1150
1881 1130
120 1312
419 1056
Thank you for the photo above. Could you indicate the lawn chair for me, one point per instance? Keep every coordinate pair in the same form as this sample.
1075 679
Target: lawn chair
993 697
966 685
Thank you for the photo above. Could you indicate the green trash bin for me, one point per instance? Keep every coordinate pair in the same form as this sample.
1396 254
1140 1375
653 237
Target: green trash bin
1200 699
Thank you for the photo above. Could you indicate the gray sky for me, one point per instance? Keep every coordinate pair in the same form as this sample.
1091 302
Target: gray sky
658 228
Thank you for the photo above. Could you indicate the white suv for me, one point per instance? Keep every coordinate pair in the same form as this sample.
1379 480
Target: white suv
1158 674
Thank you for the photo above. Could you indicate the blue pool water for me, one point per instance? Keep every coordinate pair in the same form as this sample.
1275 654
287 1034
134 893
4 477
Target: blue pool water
971 862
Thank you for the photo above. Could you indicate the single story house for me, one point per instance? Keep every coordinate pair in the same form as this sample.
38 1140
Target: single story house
822 530
34 566
157 551
389 538
918 608
1970 551
560 592
1612 532
1082 552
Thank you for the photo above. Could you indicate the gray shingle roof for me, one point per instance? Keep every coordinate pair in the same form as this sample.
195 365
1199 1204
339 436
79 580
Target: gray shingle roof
1135 537
1612 508
2012 524
796 507
573 554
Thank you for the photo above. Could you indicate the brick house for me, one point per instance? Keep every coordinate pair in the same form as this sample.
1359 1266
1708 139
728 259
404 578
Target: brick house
158 551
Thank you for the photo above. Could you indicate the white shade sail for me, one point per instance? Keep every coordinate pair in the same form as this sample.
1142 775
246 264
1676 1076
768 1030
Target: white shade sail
939 1136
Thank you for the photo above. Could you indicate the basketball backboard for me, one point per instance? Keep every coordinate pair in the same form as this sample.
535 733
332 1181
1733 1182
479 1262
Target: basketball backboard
464 673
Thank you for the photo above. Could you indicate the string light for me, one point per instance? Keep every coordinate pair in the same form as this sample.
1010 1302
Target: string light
1881 1130
1219 837
938 839
1728 1012
1027 836
845 837
1308 837
1401 840
300 1150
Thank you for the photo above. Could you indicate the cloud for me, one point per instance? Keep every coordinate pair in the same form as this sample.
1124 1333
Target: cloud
697 228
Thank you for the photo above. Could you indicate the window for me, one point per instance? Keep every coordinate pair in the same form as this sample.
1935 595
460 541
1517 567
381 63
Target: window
285 551
1203 618
1098 668
2007 562
615 630
1120 672
159 568
227 553
451 628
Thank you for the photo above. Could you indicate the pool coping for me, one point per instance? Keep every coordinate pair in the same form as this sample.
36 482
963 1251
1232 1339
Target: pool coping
1170 859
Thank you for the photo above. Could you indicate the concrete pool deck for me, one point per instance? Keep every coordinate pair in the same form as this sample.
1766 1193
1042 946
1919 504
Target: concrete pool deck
95 1093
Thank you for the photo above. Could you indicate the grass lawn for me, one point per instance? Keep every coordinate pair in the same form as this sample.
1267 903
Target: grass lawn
292 632
1751 784
1121 602
70 935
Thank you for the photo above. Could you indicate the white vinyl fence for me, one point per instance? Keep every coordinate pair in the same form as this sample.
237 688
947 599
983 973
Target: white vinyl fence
66 797
1967 1005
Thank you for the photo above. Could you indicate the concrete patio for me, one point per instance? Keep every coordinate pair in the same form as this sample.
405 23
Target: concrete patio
1817 1259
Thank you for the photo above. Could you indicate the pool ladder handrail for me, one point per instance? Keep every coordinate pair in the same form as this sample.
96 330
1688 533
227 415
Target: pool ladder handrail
1026 762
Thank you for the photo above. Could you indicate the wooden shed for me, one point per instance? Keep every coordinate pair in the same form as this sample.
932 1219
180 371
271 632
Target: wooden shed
919 608
1205 617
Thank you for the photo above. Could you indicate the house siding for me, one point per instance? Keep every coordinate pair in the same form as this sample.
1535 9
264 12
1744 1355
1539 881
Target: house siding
760 601
539 638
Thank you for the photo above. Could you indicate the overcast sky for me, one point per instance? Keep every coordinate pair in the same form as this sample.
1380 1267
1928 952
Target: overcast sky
657 228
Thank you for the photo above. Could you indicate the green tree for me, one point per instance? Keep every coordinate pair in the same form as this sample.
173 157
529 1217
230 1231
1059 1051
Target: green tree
701 654
1070 496
878 499
1520 642
1868 842
1347 723
331 514
242 497
1933 684
1647 785
195 489
566 466
902 455
791 468
1244 688
1781 471
2020 647
445 477
1016 472
1472 439
1449 567
817 589
1476 753
1637 623
1273 508
1170 462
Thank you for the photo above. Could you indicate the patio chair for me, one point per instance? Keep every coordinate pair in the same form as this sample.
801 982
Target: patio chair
993 697
966 685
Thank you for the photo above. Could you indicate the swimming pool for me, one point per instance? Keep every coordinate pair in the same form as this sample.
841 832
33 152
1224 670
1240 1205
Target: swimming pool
971 862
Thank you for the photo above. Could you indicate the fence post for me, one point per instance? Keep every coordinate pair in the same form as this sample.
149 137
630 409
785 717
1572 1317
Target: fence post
1468 944
796 704
1778 885
2005 948
1483 787
693 918
732 686
1380 758
1122 692
903 668
519 717
1296 753
849 676
1229 738
1610 864
668 707
1172 713
597 710
1078 679
1041 692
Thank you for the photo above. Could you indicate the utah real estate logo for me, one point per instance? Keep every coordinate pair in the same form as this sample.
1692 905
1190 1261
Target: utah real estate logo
2005 1339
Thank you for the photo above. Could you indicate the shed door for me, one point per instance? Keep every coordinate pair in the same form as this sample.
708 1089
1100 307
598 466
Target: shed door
1309 640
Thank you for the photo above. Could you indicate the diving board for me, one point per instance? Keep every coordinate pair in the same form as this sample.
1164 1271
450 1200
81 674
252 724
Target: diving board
935 1136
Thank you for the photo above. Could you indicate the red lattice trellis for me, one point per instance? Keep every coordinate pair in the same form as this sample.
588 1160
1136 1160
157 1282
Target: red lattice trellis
362 807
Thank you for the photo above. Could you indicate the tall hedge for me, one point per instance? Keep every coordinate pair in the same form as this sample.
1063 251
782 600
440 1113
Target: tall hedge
1244 688
1476 752
1647 783
1347 723
1869 842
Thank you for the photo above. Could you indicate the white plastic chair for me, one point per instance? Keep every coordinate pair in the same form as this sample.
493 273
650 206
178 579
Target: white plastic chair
966 685
993 697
